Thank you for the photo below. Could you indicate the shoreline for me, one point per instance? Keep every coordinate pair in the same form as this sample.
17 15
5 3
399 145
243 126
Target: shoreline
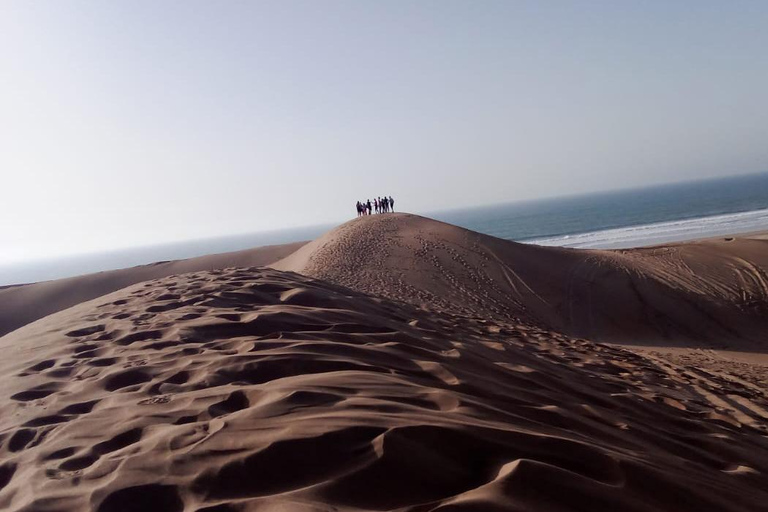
752 234
661 233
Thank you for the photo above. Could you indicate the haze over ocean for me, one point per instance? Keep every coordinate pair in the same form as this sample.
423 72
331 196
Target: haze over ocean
627 218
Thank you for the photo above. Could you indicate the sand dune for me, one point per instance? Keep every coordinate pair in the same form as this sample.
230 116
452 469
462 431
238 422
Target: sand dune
422 371
20 305
705 294
254 389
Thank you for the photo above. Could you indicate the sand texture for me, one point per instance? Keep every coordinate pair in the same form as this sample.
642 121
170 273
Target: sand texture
698 293
418 374
20 305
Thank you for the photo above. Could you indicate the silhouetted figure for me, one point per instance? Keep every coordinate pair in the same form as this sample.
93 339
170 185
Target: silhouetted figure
380 205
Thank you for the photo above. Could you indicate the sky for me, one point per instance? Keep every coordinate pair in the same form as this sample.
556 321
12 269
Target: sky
132 123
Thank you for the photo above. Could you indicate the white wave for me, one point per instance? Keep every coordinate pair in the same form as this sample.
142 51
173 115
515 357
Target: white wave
662 232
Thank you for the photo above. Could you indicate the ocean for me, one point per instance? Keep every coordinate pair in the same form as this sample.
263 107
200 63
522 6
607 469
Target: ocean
627 218
611 220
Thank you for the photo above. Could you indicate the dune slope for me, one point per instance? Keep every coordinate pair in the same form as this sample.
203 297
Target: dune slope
20 305
706 293
254 389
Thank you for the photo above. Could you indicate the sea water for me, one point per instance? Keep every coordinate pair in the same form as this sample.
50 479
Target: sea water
629 218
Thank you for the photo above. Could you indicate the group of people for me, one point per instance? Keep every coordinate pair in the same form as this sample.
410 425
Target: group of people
380 205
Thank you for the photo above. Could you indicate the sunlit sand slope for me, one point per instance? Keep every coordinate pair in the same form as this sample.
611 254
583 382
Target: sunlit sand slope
709 293
253 389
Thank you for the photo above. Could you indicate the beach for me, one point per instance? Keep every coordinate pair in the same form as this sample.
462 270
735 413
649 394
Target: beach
394 363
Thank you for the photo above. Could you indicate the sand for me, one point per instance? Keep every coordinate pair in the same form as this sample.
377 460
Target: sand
708 295
411 365
22 304
688 293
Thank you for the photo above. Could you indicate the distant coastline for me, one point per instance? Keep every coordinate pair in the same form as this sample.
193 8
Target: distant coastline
664 232
612 220
627 218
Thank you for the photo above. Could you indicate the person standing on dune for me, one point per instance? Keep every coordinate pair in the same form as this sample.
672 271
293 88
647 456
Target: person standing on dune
391 203
368 206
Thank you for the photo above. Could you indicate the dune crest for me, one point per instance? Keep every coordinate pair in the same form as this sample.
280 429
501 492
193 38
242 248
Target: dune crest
22 304
254 389
701 293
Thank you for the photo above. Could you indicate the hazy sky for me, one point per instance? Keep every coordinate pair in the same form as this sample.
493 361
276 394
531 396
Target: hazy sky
139 122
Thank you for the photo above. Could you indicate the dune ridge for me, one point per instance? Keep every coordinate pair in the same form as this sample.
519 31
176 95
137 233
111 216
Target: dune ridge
704 293
254 389
22 304
396 363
